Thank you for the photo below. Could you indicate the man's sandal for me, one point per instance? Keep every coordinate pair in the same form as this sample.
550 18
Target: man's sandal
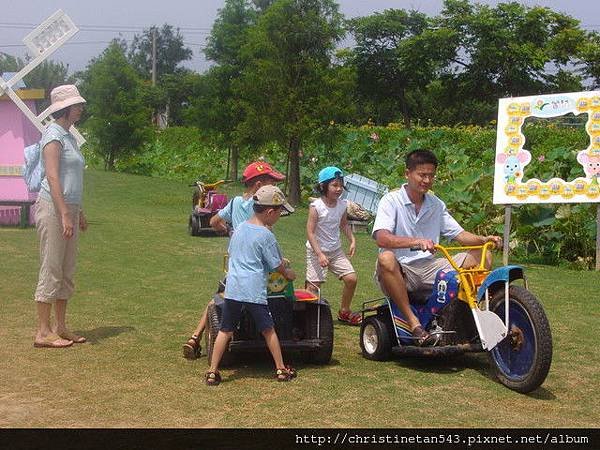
212 378
349 317
192 348
421 337
286 374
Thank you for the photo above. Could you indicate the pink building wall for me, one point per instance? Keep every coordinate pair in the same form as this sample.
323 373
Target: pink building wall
16 133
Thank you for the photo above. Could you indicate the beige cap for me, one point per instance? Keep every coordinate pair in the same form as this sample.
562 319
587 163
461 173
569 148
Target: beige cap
61 97
272 196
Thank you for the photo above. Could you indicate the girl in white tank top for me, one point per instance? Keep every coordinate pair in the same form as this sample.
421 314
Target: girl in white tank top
326 217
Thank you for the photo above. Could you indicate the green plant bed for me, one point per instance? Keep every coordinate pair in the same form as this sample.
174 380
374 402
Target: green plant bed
142 282
464 179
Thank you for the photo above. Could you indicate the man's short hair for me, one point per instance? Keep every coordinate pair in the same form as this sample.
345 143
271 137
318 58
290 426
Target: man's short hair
418 157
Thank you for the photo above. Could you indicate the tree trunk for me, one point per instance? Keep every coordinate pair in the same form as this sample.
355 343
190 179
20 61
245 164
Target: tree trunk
404 108
294 175
109 162
235 156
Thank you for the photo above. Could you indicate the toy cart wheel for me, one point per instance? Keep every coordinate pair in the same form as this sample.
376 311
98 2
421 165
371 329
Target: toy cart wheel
522 360
213 324
194 226
322 355
375 339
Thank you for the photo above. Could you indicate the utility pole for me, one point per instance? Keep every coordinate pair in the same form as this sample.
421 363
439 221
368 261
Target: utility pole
154 56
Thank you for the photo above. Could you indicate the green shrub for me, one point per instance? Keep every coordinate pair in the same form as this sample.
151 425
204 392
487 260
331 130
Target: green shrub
552 234
179 153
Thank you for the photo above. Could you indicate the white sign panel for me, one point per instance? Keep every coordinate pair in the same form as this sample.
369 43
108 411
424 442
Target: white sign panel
511 185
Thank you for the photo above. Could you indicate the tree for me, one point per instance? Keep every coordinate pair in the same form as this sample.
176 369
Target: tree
170 51
46 75
590 58
397 54
509 50
9 63
285 84
118 118
214 104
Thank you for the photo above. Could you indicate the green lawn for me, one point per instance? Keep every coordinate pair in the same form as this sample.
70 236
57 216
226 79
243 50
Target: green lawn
142 282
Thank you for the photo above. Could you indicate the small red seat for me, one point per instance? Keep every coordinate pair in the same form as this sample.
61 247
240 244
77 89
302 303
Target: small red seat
303 295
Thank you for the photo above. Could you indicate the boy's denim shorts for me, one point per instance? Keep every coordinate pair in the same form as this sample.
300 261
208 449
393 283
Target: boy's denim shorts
232 313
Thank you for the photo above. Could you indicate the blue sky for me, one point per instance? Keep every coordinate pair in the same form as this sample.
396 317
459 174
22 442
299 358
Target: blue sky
99 22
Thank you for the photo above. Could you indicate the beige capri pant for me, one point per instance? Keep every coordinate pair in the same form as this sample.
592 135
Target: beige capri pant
57 254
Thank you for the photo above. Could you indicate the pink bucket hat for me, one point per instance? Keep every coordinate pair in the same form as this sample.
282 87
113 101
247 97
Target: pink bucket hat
61 97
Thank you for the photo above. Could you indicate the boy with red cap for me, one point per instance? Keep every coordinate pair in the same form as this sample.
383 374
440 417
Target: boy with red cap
238 210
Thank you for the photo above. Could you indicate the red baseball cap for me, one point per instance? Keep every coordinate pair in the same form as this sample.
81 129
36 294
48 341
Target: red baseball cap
258 168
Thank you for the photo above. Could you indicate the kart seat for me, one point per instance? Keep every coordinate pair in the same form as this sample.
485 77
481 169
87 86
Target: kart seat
304 295
217 201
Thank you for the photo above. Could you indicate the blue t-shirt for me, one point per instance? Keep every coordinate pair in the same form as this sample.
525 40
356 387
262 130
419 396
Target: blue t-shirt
253 252
71 165
238 210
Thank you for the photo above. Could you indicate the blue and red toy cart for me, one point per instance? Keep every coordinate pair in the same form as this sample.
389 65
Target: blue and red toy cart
469 310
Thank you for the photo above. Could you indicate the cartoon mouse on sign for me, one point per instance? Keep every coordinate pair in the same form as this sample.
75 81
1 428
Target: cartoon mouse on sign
591 165
513 164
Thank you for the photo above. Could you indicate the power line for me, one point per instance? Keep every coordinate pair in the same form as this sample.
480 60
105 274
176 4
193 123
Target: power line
21 25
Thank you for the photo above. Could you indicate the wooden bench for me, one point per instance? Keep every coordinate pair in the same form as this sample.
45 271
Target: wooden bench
25 206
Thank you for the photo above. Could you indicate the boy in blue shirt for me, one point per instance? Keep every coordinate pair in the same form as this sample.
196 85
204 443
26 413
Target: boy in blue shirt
253 252
238 210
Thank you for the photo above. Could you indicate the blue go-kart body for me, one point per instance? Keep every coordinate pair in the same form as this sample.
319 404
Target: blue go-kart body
520 353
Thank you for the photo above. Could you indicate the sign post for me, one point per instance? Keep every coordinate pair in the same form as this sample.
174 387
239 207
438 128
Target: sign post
506 236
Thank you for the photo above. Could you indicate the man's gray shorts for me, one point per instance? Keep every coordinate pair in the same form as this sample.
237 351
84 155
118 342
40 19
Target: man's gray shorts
419 275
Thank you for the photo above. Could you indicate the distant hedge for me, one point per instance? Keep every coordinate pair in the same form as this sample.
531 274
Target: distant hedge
557 234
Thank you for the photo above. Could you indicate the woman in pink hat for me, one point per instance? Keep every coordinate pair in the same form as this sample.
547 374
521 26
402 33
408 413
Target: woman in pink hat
59 217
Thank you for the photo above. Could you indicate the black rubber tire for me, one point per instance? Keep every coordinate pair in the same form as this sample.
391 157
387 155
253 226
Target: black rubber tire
213 324
375 341
322 355
193 225
529 360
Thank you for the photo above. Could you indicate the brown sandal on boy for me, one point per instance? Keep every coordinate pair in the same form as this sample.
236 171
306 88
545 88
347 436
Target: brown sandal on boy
212 378
286 374
192 348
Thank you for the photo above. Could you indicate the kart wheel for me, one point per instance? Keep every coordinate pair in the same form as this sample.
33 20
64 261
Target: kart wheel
375 339
323 354
213 324
194 225
522 360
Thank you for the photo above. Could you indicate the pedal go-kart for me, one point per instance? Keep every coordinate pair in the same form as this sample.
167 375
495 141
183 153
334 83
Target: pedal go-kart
206 202
468 312
303 323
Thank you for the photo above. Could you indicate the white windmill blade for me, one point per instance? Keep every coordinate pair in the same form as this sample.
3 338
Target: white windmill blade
45 40
42 42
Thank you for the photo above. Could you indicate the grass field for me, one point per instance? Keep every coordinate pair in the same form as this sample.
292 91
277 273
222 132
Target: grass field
142 282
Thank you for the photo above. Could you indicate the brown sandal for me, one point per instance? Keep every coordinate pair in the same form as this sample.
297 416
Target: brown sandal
212 378
286 374
192 348
421 337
